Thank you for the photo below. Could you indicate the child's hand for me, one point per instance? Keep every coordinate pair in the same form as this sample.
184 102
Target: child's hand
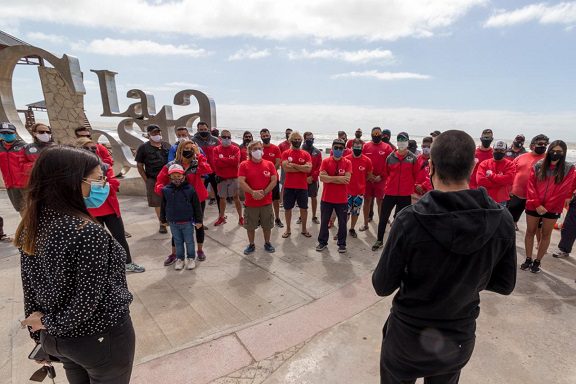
198 225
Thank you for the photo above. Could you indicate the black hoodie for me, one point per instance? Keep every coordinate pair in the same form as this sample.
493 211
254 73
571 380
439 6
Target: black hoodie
441 252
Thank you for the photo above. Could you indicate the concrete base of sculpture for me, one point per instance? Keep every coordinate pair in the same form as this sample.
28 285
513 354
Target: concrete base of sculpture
132 184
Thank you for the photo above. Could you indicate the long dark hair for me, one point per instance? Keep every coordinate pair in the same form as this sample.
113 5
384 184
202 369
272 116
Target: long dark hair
560 171
55 183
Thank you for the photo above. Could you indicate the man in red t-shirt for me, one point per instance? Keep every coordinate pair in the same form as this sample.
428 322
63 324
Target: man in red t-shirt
357 138
257 178
483 152
335 173
284 146
313 184
297 163
272 153
361 172
226 162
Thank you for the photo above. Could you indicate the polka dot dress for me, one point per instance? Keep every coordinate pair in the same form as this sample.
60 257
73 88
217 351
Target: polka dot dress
77 277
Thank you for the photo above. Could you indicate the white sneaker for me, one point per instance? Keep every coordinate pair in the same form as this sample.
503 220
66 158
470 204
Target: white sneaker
560 254
179 265
190 264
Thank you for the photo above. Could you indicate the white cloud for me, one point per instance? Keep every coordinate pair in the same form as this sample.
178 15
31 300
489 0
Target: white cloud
543 13
39 36
249 54
373 74
361 56
174 86
323 19
120 47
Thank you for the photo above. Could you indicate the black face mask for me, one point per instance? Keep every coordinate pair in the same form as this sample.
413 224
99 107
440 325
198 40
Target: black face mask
539 150
357 151
412 149
517 144
266 141
486 142
386 139
204 134
187 154
376 139
358 135
498 155
296 143
555 156
309 142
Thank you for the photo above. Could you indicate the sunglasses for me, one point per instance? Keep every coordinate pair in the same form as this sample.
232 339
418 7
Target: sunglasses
41 132
338 148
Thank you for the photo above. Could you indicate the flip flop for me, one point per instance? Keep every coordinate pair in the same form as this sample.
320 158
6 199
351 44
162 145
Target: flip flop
306 234
363 228
286 235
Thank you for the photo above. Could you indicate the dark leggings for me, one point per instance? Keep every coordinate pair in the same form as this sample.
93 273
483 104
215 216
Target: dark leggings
388 203
212 181
199 231
516 207
569 228
116 227
1 227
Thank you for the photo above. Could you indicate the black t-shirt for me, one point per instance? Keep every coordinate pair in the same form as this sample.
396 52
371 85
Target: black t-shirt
153 158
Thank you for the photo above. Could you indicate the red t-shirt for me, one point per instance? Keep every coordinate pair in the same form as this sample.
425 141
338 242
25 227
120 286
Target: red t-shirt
378 153
480 156
226 161
258 176
284 146
335 193
296 180
361 166
271 153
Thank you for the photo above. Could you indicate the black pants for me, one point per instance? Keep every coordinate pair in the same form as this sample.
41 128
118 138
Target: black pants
212 181
388 203
116 227
1 226
516 207
451 378
103 358
568 234
325 213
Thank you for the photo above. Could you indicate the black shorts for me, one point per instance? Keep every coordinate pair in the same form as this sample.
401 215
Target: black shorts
313 189
293 196
547 215
276 192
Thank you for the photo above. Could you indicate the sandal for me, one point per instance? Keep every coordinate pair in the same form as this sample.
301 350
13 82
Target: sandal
306 234
363 228
286 235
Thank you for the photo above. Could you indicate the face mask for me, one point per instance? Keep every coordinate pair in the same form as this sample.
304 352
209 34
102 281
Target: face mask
555 156
386 139
539 150
376 139
517 145
98 195
204 134
498 155
296 143
337 152
187 154
309 142
426 151
257 154
182 139
226 142
43 137
266 141
156 138
358 135
8 137
486 142
402 145
177 182
357 151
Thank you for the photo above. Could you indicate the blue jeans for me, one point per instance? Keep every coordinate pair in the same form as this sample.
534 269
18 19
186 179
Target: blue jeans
183 233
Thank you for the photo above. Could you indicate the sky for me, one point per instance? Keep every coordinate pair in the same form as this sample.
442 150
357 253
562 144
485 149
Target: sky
323 65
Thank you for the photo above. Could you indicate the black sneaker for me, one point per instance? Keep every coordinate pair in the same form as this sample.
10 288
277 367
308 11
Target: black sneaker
526 264
341 249
279 223
352 232
535 267
249 249
320 247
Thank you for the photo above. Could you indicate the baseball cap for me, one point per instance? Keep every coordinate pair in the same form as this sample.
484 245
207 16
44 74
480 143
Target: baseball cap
152 127
175 168
500 145
338 142
402 136
435 133
387 132
7 128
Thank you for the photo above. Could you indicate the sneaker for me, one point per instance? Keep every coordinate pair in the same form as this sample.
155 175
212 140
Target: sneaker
131 267
315 220
212 202
352 232
249 249
320 247
269 248
279 223
526 264
377 245
162 229
170 259
190 264
241 222
200 255
179 265
220 221
341 249
535 267
299 221
560 254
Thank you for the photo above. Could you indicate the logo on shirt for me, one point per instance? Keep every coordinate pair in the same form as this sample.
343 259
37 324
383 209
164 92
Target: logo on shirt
301 160
271 154
221 156
290 158
382 152
361 168
341 171
33 149
267 173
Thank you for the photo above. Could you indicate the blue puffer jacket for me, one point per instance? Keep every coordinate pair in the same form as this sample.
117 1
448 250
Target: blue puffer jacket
180 204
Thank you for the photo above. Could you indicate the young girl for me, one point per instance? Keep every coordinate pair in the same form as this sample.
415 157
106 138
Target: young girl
181 209
551 182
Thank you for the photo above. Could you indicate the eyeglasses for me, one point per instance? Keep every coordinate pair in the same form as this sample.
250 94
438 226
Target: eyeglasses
102 180
41 132
338 148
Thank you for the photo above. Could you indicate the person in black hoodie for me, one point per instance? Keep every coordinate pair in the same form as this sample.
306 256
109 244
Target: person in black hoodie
441 252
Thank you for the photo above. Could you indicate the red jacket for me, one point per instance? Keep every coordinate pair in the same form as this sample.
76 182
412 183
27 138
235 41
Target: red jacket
13 162
193 178
226 161
499 183
111 206
401 173
423 177
546 192
104 154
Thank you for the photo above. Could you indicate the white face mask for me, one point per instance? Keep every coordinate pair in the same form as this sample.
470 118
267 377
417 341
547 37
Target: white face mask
257 154
226 142
426 151
402 145
156 138
43 137
181 139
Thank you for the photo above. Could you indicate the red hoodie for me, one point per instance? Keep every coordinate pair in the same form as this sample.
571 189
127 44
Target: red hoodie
226 161
499 182
401 172
423 177
193 178
111 205
546 192
479 157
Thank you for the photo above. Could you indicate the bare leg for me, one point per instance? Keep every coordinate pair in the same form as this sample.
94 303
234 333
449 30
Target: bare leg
547 227
366 210
276 205
157 210
238 205
314 201
251 235
267 233
353 221
288 218
304 217
531 229
222 205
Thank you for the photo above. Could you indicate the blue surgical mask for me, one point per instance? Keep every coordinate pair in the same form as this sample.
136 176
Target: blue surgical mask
226 142
98 194
337 152
8 137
